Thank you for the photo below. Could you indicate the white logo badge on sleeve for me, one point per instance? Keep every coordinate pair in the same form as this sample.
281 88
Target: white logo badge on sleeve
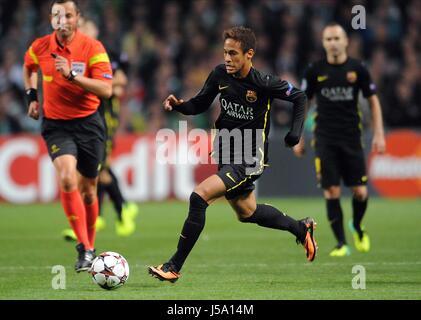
79 67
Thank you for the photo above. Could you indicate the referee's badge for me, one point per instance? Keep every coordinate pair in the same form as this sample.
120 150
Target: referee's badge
351 76
79 67
251 96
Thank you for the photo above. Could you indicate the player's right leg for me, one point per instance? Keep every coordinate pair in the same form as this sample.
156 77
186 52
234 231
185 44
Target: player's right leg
269 217
63 148
328 170
72 202
204 194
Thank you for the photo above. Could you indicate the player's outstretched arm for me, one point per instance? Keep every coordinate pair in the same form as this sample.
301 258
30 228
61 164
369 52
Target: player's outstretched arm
198 104
171 102
379 144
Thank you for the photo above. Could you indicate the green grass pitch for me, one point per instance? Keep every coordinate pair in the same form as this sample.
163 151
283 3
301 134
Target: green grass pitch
230 261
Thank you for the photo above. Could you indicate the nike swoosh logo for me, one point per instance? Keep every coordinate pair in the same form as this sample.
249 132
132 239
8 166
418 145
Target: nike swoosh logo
321 78
222 87
228 174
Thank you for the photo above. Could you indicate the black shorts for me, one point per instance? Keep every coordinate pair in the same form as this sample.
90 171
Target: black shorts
83 138
335 162
237 179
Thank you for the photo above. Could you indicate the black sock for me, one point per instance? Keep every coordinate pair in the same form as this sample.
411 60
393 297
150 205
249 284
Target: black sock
100 194
192 228
270 217
359 208
335 216
114 192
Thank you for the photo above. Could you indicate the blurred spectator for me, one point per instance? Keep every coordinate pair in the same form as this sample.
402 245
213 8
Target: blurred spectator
172 46
9 122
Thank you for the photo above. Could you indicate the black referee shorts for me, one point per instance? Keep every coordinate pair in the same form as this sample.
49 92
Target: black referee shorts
237 179
344 161
83 138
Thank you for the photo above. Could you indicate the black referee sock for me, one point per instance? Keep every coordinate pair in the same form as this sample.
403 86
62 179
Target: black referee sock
335 216
114 192
270 217
359 208
192 228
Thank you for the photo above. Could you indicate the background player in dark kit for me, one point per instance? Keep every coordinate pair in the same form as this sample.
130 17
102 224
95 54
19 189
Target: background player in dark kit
336 82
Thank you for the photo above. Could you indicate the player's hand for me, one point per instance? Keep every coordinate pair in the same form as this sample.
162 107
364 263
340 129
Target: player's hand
61 65
379 144
33 110
291 140
299 149
171 102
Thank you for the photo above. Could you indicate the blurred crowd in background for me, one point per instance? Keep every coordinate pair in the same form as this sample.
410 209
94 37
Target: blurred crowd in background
171 47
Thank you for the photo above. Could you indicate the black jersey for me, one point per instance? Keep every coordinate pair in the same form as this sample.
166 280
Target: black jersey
337 88
109 109
245 104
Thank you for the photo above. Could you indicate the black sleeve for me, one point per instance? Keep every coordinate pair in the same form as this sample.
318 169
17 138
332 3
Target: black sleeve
203 100
366 84
281 89
307 82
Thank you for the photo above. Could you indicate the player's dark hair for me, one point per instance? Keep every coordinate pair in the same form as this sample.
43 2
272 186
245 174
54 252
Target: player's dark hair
335 24
245 36
76 3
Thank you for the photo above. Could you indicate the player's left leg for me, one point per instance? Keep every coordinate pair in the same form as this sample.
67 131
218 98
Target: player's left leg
359 206
332 196
125 224
101 190
69 234
126 212
90 136
248 211
203 195
355 177
88 190
72 202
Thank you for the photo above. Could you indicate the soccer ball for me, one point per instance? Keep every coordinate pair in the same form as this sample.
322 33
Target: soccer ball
110 270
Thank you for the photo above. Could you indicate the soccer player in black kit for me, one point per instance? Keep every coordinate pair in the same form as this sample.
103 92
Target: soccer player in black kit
245 98
336 82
